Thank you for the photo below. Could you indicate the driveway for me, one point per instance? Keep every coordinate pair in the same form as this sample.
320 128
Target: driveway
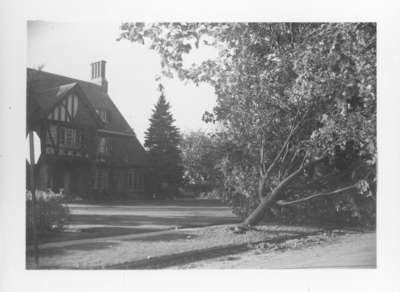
89 220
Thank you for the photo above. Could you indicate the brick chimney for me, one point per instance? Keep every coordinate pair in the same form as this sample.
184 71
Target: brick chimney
99 74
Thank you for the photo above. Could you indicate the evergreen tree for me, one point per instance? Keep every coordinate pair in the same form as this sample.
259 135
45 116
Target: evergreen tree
162 140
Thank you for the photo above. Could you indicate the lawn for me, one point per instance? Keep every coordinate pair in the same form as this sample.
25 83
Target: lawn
91 220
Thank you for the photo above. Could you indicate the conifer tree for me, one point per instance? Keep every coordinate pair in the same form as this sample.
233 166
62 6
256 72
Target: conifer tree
161 141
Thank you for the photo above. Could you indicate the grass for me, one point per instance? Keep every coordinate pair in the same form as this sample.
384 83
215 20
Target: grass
97 220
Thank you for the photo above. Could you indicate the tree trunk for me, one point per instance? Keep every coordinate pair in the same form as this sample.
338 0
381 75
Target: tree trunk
261 187
257 215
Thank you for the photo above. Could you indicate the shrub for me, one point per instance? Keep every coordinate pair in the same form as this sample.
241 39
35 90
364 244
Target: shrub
51 214
353 208
344 210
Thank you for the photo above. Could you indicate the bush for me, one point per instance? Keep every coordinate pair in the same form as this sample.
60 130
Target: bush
342 210
355 207
349 209
51 214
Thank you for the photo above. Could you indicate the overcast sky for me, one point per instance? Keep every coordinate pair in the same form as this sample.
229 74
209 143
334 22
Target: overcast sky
69 48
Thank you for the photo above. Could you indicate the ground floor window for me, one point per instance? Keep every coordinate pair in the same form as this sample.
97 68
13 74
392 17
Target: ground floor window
119 179
131 179
135 180
101 179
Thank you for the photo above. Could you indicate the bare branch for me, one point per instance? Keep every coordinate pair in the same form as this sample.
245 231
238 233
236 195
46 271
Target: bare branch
262 165
293 130
295 153
287 179
286 152
284 147
278 155
287 203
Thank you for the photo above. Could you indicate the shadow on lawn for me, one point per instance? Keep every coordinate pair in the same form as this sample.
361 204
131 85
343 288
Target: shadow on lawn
164 237
50 252
141 220
114 225
156 203
59 251
216 210
92 232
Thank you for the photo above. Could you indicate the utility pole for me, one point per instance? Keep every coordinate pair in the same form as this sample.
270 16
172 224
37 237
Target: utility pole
33 192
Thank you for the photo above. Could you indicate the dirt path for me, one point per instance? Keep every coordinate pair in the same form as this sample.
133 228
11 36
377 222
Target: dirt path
356 250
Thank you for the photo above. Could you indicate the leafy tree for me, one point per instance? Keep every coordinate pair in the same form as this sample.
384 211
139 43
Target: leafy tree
162 140
200 154
297 103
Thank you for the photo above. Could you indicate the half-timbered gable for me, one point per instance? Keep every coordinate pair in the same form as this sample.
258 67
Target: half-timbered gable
69 125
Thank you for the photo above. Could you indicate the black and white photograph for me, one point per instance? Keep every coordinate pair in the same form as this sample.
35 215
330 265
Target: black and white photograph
201 145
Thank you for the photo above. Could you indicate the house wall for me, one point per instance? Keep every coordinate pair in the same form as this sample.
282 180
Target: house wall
125 179
83 116
117 181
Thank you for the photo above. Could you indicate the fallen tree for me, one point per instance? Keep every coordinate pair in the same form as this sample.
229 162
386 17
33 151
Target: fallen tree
296 103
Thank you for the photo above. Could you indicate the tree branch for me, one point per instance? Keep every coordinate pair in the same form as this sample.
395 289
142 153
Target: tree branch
287 203
279 154
293 130
291 176
262 165
286 152
295 153
265 174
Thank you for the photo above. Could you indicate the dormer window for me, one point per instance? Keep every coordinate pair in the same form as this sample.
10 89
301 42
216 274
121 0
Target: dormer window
104 115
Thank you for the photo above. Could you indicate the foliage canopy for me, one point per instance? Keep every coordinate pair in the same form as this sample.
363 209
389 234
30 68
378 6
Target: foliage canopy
296 101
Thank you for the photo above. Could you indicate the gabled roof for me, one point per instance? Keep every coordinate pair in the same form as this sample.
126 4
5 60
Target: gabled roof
50 97
46 89
45 101
40 102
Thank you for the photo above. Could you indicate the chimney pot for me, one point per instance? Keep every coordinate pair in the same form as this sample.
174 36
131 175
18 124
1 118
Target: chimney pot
99 74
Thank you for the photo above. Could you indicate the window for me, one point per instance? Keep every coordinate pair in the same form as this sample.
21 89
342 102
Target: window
104 146
62 136
70 137
131 179
140 181
135 180
119 179
101 178
104 115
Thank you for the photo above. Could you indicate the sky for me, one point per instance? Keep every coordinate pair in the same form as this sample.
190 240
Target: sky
69 48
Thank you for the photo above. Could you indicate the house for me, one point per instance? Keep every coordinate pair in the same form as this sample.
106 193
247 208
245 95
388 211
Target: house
88 148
